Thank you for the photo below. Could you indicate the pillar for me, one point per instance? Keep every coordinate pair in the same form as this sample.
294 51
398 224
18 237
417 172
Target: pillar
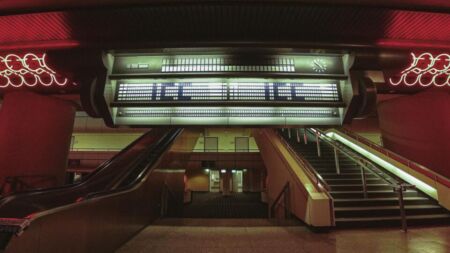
35 135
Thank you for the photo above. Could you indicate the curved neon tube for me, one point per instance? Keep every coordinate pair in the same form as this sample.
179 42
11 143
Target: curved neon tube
19 72
425 67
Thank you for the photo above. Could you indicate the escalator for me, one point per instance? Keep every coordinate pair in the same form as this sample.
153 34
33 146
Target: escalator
96 215
364 194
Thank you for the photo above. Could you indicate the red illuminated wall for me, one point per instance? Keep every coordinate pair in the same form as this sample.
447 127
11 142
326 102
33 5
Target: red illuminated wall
35 133
418 128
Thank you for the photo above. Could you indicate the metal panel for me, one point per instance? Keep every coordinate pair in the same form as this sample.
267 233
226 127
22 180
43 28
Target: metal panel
222 22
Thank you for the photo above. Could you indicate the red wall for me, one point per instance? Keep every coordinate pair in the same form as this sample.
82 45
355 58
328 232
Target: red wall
35 133
418 128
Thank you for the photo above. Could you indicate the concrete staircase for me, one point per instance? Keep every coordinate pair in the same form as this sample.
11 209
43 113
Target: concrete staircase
381 207
214 205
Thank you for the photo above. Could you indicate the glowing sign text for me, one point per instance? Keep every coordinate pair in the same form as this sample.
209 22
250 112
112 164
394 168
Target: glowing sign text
28 70
426 70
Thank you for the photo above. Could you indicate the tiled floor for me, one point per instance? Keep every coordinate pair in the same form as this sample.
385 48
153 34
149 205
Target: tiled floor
261 237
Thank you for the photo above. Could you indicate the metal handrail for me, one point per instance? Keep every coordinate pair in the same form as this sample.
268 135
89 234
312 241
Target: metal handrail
310 171
167 193
399 186
391 154
284 192
187 192
357 158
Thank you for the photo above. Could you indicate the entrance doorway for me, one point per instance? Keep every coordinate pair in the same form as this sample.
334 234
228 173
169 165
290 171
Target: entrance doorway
214 181
237 180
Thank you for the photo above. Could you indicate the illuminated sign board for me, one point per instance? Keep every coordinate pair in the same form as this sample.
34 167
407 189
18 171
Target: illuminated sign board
425 70
233 92
306 64
224 87
225 115
28 70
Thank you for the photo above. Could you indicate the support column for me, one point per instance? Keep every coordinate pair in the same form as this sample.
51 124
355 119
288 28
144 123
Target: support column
35 134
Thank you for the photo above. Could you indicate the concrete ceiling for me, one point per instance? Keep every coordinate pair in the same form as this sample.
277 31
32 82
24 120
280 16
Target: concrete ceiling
197 24
23 6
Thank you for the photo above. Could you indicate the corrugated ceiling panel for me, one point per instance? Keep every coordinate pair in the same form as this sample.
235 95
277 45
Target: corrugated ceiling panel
226 22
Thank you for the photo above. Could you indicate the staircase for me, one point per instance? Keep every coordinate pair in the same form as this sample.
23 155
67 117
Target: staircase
215 205
381 207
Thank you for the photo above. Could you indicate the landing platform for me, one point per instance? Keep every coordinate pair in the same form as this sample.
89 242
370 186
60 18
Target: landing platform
211 222
191 237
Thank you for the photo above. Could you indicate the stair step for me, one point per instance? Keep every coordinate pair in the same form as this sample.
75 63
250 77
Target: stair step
354 181
379 199
359 187
395 207
345 174
434 219
382 201
360 184
381 211
370 188
411 217
381 207
328 170
370 194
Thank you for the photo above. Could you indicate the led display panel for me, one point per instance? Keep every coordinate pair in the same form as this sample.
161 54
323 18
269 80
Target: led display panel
233 91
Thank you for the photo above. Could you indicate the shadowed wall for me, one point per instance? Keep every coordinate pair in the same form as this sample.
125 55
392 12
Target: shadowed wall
418 128
35 134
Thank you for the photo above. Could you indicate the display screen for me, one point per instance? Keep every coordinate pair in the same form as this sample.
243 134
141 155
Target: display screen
290 64
234 91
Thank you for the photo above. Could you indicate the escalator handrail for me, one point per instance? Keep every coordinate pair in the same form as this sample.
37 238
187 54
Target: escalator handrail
85 180
19 226
393 155
359 159
164 145
72 189
161 143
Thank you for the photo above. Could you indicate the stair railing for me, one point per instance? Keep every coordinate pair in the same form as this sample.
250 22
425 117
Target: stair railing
320 184
166 196
397 184
401 159
285 193
315 177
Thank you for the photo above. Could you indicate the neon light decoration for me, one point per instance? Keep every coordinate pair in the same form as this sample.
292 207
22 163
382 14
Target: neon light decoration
28 70
426 70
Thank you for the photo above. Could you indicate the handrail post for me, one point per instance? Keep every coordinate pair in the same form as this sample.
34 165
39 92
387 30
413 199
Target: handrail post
297 134
363 178
336 161
289 133
164 194
286 199
269 212
401 203
305 137
318 144
287 202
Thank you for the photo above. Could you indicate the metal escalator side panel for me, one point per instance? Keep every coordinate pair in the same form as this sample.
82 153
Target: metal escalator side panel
101 223
21 205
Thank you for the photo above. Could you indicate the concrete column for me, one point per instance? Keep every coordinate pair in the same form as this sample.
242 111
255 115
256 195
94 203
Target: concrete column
35 134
